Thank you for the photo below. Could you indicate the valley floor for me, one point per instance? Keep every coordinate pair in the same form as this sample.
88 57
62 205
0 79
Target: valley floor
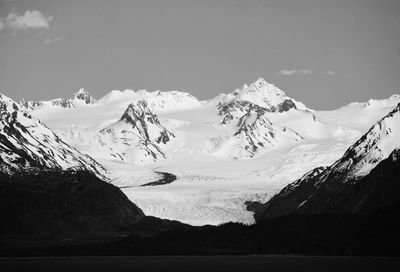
214 191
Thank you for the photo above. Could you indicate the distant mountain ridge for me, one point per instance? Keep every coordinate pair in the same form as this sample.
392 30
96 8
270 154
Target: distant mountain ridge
81 97
157 100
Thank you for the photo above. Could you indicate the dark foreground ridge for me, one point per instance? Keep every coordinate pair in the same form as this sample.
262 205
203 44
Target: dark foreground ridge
76 214
51 202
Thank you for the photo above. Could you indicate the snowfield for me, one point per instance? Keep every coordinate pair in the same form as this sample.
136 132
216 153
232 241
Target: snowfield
213 182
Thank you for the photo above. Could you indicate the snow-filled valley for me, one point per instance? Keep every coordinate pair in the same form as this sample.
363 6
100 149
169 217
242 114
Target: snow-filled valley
242 146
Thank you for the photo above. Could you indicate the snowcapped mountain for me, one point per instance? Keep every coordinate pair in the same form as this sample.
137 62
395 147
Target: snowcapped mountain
249 110
334 188
81 97
26 143
253 130
263 94
138 137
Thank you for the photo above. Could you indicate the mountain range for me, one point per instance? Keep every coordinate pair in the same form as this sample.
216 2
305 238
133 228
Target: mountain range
253 144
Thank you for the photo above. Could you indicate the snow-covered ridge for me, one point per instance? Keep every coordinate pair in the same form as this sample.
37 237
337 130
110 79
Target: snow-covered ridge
374 146
392 101
375 104
26 143
157 101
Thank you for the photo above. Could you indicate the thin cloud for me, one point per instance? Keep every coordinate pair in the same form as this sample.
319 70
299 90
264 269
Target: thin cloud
287 72
49 41
330 73
31 19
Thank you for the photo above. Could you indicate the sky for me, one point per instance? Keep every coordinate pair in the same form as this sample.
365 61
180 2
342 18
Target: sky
323 53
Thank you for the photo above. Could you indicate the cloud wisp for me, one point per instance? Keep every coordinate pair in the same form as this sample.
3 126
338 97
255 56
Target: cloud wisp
330 73
287 72
31 19
290 72
49 40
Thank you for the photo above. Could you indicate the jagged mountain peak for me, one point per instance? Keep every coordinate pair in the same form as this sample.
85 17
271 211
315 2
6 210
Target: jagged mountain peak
262 87
264 94
7 103
138 136
84 96
136 111
261 84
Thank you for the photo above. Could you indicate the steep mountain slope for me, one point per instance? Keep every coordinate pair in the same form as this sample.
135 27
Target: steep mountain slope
27 143
348 185
137 137
381 139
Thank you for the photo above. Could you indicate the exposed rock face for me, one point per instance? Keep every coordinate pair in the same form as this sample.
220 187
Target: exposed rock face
253 129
